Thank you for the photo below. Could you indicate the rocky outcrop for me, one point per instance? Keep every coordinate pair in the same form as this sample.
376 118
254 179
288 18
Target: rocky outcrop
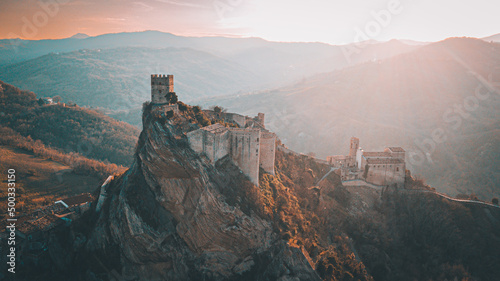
166 218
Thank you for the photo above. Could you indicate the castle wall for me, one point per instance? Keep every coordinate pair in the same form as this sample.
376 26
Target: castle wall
195 139
288 150
386 174
245 151
249 148
267 151
213 141
164 108
396 152
336 160
221 146
238 119
234 118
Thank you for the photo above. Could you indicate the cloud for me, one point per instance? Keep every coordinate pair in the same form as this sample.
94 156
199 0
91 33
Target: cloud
182 4
144 5
115 19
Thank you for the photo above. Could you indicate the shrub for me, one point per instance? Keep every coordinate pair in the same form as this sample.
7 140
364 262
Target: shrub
171 98
182 106
196 109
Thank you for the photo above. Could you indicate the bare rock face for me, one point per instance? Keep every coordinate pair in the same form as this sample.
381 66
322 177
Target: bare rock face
166 219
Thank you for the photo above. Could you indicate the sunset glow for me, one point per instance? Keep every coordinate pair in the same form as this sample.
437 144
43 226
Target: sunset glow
333 22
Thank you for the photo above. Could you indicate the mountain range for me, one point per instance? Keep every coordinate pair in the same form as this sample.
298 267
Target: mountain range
112 71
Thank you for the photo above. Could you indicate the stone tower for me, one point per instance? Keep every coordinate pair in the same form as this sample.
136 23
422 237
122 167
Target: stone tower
354 146
160 86
260 119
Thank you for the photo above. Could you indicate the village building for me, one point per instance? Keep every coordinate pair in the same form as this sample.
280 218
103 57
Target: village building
382 168
33 229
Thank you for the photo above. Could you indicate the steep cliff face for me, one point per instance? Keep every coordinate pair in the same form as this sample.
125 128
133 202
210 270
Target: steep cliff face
166 218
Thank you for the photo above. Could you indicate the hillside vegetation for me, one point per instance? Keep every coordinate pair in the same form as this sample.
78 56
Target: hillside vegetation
67 128
40 179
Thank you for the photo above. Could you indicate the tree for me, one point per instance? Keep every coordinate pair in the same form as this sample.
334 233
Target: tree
171 98
182 106
473 197
40 102
196 109
494 201
217 109
57 99
311 154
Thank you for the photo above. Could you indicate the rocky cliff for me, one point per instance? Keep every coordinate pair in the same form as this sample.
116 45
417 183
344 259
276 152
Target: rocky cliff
174 216
166 218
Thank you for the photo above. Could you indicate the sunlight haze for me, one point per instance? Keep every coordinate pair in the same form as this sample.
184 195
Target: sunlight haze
334 22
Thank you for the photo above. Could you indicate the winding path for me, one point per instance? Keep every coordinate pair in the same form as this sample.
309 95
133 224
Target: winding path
360 182
326 175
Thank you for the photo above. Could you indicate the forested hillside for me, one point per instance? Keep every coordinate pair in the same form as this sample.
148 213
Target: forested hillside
69 128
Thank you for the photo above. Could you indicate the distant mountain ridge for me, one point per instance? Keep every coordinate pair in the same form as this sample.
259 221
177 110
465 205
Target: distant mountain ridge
112 71
222 46
120 78
80 36
494 38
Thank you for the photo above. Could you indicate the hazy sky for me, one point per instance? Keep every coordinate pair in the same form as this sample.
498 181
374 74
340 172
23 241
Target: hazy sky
330 21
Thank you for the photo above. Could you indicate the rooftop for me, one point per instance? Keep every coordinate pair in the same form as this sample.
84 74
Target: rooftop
337 157
376 154
396 149
78 200
44 223
385 161
215 128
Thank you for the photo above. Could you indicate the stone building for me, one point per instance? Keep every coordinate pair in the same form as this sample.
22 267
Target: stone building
161 85
345 160
250 148
238 119
381 167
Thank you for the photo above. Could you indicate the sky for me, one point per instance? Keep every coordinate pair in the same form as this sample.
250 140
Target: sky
329 21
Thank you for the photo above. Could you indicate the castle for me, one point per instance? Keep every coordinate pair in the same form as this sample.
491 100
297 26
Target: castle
380 168
250 146
161 85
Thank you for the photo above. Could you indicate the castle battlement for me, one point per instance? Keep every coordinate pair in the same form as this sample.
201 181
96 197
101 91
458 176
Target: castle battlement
161 85
241 120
